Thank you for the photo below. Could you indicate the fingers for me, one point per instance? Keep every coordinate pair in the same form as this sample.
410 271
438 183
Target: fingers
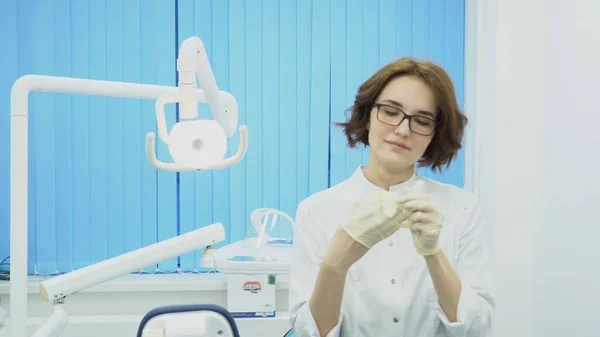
420 204
424 218
419 209
426 234
426 230
404 198
406 223
428 222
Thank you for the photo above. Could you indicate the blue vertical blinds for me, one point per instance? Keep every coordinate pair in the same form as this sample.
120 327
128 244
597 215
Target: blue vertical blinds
293 67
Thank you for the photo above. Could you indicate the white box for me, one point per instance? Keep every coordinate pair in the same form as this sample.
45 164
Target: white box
251 296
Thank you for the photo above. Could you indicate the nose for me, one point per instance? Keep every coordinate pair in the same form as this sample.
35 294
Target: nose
404 128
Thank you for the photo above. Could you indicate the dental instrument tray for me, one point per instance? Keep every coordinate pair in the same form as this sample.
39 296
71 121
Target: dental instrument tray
267 248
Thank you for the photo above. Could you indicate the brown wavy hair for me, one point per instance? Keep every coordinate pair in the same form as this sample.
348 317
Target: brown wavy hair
447 138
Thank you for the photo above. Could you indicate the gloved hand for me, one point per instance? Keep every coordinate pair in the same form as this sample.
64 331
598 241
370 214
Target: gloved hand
425 221
374 218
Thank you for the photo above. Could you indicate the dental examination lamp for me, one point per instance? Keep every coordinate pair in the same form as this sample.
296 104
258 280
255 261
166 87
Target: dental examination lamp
197 144
195 140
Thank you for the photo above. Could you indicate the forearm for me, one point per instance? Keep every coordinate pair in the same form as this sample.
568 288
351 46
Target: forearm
326 300
446 282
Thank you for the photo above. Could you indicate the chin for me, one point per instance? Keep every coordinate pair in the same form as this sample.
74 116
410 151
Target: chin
396 161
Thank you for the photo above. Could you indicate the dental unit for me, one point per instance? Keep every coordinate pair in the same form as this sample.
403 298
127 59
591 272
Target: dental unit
191 149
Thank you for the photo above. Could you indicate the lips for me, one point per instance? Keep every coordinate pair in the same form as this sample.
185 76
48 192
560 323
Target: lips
398 145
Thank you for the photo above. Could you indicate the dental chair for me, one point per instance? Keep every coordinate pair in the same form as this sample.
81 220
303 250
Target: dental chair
195 320
193 144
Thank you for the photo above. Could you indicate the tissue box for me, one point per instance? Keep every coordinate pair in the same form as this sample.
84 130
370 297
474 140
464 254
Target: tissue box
251 296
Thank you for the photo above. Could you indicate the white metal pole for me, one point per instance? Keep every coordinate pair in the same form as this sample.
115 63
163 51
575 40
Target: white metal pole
18 211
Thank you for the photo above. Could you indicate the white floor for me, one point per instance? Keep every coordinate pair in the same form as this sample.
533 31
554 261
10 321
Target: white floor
116 308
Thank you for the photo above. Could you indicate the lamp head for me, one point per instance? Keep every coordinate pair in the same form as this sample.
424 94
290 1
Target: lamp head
197 143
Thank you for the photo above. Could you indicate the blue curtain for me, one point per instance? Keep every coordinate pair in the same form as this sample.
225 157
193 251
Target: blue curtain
293 66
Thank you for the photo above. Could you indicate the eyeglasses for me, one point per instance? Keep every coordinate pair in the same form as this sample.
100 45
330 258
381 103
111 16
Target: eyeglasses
393 116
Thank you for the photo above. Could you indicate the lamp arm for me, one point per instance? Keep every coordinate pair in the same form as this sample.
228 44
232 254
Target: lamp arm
192 62
59 287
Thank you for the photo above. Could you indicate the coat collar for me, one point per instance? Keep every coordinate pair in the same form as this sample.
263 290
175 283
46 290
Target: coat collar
361 182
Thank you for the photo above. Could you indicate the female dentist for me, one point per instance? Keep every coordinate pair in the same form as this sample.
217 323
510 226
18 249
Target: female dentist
388 252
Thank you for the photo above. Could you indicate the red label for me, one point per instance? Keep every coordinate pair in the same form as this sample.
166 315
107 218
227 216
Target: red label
252 286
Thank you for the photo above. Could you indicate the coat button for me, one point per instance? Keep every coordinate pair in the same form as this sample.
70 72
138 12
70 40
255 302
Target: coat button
393 281
396 320
390 243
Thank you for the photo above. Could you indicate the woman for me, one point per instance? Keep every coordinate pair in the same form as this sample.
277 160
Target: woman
422 269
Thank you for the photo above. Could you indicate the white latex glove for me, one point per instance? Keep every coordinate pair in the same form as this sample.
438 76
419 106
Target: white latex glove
374 218
425 221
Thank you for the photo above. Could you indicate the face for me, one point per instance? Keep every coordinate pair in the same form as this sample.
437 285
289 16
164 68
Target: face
397 147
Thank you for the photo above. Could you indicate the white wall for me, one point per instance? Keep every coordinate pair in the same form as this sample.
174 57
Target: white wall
539 117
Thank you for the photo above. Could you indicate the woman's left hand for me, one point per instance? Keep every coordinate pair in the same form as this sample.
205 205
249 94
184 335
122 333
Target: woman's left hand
425 222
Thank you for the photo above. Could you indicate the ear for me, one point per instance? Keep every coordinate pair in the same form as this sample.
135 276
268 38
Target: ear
369 126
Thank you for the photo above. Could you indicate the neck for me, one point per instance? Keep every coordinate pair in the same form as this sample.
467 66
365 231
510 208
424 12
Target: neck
385 177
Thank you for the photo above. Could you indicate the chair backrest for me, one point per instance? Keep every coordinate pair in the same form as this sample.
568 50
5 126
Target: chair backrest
191 316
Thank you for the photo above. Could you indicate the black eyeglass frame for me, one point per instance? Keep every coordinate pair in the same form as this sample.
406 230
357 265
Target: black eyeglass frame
405 116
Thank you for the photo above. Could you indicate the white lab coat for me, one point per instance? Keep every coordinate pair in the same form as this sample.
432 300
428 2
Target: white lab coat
389 291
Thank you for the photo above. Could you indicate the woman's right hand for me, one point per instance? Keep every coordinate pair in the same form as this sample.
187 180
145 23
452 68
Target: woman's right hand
372 219
343 252
375 217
